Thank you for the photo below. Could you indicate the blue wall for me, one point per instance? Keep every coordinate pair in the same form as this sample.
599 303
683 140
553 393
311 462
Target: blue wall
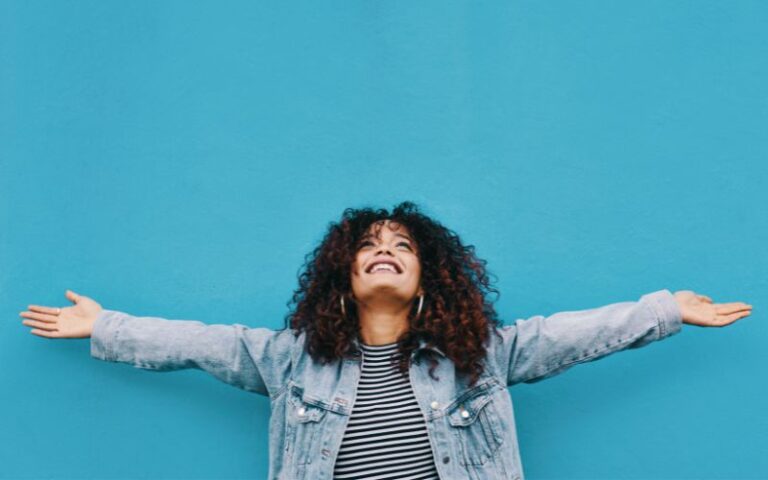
178 159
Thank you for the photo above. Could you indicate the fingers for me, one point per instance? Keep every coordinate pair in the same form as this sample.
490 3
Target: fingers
72 296
41 325
41 309
705 298
729 319
44 317
44 333
726 308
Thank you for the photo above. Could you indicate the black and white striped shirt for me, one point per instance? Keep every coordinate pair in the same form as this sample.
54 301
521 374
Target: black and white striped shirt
386 437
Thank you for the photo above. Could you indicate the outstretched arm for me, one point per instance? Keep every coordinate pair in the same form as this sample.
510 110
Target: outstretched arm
253 359
540 347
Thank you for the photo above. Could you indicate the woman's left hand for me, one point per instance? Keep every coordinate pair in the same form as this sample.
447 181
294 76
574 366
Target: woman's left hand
700 310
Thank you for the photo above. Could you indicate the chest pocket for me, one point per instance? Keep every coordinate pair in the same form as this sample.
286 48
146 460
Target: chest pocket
474 422
305 417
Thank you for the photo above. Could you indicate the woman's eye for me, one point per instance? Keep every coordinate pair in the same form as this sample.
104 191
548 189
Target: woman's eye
368 242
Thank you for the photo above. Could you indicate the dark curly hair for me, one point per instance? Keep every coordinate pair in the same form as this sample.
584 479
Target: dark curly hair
457 315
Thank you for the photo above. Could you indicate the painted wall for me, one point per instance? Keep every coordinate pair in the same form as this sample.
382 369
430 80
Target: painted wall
179 159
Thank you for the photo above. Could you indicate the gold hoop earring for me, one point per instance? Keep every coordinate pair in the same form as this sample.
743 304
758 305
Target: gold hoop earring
421 303
343 310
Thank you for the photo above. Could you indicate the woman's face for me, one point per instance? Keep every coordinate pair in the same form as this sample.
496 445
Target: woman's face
386 269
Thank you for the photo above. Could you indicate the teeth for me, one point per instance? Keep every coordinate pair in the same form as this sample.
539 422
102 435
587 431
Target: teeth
383 266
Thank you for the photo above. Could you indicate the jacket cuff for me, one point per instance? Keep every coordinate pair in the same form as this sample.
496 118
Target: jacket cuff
667 312
104 334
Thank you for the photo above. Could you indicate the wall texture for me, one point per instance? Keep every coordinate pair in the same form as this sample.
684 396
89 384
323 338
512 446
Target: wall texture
178 159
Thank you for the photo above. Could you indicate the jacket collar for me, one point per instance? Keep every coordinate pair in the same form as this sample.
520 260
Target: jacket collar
422 346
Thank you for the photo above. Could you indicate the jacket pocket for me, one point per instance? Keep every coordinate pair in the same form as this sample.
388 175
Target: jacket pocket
474 422
305 421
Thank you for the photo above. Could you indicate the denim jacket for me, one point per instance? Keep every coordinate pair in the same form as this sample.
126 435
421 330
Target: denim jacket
471 429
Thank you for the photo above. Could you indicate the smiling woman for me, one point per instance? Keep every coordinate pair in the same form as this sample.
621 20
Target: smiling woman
350 394
432 269
386 260
402 281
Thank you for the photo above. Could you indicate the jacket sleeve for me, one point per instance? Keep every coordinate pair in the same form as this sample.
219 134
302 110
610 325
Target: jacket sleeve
540 347
254 359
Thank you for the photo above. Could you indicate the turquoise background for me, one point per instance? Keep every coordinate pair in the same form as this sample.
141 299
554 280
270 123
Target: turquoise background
179 159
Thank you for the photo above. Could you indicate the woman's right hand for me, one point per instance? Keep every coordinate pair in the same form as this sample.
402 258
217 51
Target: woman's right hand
75 321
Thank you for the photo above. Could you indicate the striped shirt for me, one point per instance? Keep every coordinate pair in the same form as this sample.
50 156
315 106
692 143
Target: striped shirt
386 437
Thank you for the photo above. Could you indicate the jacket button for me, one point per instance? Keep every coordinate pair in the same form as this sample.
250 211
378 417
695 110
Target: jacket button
434 405
301 411
465 414
446 459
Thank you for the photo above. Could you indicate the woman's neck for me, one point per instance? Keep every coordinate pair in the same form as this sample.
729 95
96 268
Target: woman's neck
382 325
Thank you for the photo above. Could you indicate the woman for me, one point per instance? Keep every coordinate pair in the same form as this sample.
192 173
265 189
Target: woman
393 363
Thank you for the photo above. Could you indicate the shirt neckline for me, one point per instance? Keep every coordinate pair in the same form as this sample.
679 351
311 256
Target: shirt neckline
378 347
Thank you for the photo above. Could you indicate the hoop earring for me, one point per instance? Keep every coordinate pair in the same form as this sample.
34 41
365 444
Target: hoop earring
421 303
343 310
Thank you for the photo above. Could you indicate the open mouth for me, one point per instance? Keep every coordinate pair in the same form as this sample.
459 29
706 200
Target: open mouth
384 266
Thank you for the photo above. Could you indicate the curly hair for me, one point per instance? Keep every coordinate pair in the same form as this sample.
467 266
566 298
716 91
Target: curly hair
456 317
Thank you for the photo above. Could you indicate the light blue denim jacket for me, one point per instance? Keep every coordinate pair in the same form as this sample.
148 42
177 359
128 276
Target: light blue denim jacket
472 430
